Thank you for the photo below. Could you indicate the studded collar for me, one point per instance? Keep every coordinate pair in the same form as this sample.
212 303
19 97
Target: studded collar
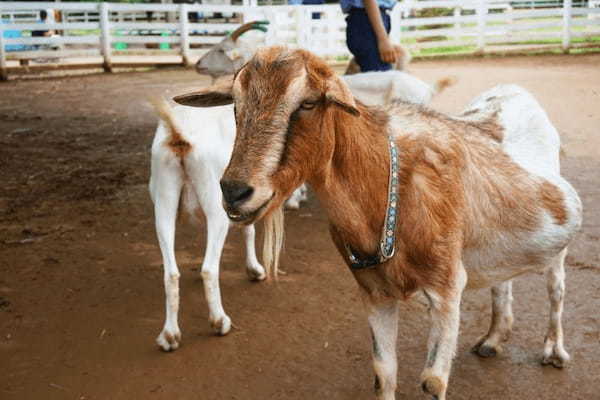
386 247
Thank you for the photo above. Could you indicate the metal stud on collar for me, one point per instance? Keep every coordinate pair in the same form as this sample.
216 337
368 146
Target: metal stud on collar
388 239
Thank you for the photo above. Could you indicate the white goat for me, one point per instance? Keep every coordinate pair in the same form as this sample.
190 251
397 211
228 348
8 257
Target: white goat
190 151
186 167
227 56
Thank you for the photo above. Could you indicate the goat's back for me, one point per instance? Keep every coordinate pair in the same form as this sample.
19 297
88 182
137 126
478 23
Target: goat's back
527 136
377 88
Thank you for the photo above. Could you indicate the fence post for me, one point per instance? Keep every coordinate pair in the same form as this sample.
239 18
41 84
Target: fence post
184 32
396 17
481 14
270 16
566 34
3 67
457 26
105 36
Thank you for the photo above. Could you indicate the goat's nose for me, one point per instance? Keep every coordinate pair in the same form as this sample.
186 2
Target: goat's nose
235 192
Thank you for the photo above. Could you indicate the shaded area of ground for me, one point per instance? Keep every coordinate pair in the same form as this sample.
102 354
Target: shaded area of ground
81 297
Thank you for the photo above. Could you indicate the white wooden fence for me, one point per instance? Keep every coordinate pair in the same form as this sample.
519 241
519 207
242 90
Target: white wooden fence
110 34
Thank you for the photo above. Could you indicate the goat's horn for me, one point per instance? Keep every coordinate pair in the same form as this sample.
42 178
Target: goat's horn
248 26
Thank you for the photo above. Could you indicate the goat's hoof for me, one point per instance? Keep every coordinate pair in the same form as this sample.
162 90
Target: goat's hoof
484 350
292 205
256 273
222 326
434 386
169 341
558 359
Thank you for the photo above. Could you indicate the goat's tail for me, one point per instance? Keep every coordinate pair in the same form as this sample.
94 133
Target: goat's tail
188 201
273 241
165 113
176 142
443 83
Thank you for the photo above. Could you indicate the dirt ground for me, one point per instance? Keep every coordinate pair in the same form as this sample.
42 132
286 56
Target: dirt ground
81 292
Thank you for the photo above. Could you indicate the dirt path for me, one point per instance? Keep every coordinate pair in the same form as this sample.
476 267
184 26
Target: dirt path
81 296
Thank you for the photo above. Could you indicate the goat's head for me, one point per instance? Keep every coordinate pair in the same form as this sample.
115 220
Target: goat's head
220 60
286 104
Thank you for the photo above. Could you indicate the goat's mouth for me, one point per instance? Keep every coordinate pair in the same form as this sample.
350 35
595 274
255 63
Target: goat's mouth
248 217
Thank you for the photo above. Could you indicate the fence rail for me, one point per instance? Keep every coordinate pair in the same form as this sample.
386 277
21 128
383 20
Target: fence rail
108 34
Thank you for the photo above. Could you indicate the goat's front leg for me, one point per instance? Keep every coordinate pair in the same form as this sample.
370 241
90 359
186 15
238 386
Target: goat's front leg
502 320
554 349
383 320
445 320
254 269
165 190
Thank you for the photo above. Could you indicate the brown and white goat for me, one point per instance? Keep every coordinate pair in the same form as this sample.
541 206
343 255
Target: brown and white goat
480 196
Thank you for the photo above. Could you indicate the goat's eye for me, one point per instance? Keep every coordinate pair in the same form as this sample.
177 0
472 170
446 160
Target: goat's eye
308 105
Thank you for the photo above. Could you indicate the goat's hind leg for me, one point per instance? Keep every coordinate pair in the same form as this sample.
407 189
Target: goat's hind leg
165 190
554 350
217 228
502 321
254 269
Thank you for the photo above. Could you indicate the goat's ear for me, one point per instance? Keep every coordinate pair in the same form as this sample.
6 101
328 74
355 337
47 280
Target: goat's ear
217 95
339 94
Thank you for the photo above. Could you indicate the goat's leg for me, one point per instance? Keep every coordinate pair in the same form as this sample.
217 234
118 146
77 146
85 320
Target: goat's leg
217 226
298 196
383 320
445 320
254 269
502 320
554 350
165 190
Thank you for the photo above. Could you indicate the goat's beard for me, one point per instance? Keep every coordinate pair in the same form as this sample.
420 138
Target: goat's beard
273 240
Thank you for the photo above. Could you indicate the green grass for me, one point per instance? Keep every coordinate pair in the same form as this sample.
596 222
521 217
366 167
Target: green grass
446 50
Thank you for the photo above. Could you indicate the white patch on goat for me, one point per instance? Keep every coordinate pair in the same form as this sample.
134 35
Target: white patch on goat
293 96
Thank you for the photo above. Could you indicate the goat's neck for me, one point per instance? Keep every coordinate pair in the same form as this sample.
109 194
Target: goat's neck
353 186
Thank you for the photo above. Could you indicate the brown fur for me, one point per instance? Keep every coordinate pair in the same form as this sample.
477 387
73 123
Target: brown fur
553 201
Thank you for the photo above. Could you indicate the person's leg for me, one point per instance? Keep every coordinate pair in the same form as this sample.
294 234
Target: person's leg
362 42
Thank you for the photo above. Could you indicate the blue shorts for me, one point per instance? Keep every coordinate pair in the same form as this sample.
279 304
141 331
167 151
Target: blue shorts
362 42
